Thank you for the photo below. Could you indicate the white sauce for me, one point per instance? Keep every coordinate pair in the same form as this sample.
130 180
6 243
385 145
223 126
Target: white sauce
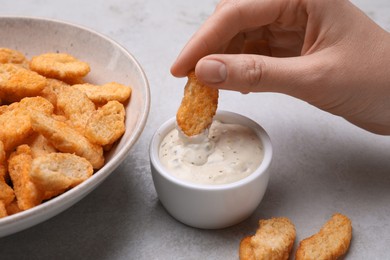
225 154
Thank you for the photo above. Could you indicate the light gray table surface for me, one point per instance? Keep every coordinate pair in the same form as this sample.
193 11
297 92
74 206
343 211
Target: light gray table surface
322 164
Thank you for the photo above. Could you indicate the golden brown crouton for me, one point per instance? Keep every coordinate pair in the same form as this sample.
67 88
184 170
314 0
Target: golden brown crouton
274 240
197 108
331 242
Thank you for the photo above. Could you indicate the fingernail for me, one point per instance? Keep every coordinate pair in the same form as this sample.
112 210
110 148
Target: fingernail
212 71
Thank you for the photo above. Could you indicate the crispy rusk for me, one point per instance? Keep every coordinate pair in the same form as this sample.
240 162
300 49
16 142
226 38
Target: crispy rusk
61 118
13 207
104 93
66 139
28 104
107 124
197 108
39 145
17 82
13 56
15 121
51 194
59 66
274 239
331 242
37 104
246 249
2 152
74 81
51 89
3 167
3 210
15 128
19 167
76 106
6 193
3 109
60 171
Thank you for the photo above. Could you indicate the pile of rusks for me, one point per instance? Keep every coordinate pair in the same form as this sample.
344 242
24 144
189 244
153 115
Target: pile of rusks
54 127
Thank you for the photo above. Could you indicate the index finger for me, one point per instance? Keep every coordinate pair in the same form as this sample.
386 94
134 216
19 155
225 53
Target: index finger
229 18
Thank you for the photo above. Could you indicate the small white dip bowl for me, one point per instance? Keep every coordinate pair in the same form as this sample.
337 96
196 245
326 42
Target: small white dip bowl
211 206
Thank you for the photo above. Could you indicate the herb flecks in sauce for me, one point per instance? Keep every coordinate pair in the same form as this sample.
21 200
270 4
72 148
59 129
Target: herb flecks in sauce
225 154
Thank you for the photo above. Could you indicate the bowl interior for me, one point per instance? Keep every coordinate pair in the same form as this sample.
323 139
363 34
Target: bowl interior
109 62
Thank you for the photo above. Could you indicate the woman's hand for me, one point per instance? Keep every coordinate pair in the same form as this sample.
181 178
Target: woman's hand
326 52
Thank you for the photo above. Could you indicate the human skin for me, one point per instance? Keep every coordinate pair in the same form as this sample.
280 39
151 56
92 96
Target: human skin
325 52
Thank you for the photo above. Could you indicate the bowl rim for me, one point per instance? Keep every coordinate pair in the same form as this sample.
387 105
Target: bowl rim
171 123
88 185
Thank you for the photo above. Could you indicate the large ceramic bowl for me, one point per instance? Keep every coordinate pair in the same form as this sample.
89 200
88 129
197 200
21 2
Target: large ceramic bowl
109 62
211 206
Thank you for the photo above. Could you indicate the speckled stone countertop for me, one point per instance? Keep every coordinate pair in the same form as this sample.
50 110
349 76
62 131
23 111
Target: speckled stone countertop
322 164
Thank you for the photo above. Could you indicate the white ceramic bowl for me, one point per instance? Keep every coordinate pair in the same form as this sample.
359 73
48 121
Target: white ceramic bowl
109 62
211 206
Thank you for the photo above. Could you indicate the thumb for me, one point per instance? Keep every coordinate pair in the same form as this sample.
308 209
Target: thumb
256 73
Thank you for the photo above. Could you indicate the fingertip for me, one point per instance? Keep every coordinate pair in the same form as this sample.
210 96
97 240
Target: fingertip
176 72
